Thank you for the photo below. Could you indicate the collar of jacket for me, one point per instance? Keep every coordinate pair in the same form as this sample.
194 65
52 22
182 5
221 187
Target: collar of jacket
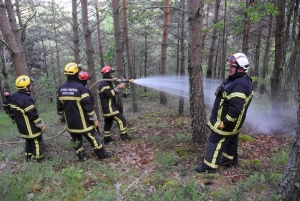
237 75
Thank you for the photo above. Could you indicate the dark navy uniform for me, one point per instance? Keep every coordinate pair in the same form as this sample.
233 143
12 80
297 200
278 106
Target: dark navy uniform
28 122
232 100
75 103
110 111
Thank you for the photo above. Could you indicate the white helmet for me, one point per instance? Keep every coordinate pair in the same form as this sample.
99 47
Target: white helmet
238 59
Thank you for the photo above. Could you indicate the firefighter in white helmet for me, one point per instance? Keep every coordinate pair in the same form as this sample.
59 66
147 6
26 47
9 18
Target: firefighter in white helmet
233 98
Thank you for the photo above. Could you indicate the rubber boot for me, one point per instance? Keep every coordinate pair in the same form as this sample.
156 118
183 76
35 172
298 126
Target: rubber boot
126 137
108 139
82 156
101 153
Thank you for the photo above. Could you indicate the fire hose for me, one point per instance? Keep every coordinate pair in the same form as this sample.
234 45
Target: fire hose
119 80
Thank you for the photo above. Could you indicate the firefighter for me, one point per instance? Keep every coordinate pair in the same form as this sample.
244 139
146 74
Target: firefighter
233 98
6 107
107 94
75 108
29 124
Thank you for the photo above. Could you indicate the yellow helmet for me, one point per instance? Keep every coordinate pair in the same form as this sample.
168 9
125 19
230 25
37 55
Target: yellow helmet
23 81
71 68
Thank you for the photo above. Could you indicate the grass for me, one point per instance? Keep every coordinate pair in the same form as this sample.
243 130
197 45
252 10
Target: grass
157 165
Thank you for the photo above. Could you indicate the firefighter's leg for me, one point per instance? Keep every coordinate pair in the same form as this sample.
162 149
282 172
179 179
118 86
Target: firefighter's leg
120 119
28 150
108 122
214 147
78 146
94 139
38 148
230 157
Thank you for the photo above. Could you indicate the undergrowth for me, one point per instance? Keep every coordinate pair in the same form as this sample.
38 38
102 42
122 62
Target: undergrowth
157 165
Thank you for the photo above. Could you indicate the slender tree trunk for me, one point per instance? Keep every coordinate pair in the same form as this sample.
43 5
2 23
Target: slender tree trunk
289 185
257 55
99 35
76 49
164 47
23 36
213 41
16 31
145 55
279 57
182 54
57 51
133 93
247 31
197 106
3 54
11 42
89 49
265 66
118 44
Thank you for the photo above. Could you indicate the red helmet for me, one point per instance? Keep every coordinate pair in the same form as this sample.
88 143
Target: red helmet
107 69
83 75
6 94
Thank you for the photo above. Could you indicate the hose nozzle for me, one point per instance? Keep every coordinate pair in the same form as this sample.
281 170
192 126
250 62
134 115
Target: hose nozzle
131 81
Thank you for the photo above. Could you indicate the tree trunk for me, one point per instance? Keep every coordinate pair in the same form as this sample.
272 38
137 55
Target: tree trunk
164 48
131 75
182 54
247 31
118 44
145 55
279 57
257 54
16 31
197 106
89 49
266 59
99 35
289 187
76 49
57 50
213 41
23 38
5 65
11 42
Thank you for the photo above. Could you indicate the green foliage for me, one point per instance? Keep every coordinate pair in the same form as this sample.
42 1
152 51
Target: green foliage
167 159
219 25
72 176
245 138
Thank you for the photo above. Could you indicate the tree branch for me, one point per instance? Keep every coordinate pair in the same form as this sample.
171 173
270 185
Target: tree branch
6 45
164 7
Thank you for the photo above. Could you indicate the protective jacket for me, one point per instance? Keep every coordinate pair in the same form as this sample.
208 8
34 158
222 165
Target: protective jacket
25 115
75 103
107 96
232 100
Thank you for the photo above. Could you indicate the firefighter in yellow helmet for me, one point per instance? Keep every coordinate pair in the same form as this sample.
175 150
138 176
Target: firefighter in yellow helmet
29 124
75 108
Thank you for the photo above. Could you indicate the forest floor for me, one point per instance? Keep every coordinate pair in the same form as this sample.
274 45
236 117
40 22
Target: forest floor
162 145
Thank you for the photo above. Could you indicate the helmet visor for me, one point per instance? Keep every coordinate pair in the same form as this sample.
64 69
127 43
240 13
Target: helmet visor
231 60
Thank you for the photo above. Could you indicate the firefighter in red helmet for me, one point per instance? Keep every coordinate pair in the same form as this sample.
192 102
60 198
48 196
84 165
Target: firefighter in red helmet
107 93
75 107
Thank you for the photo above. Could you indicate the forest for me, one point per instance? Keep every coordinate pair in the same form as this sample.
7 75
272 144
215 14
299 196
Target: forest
187 41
